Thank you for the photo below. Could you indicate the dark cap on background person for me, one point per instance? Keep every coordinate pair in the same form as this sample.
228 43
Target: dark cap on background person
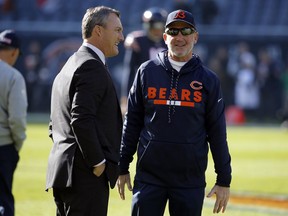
154 17
180 16
8 38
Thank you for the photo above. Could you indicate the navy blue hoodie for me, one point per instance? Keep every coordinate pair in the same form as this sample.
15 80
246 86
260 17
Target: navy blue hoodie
172 119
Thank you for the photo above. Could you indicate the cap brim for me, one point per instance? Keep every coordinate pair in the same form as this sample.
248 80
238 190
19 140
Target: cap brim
179 21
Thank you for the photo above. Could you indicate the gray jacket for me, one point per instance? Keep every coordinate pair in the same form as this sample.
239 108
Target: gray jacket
13 106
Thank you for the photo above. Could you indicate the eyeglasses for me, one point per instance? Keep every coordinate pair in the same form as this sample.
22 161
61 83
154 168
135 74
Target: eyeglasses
184 31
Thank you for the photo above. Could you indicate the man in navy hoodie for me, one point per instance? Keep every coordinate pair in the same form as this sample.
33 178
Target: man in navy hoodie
175 113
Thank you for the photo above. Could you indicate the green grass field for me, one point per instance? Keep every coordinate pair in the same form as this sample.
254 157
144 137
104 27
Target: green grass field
259 162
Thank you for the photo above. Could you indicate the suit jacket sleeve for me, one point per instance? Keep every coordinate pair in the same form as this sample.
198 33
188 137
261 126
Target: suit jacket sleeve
90 82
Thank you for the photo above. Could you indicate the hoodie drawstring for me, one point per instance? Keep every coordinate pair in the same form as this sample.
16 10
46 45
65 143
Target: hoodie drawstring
172 97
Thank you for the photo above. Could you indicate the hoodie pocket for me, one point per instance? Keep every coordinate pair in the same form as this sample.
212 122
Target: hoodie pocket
171 160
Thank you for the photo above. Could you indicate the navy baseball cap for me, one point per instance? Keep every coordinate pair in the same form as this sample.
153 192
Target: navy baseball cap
180 16
8 38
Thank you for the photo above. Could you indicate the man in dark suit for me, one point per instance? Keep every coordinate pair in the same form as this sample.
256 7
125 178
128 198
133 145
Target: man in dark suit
86 121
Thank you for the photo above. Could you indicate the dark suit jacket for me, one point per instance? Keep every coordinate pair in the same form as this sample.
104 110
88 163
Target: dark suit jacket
85 117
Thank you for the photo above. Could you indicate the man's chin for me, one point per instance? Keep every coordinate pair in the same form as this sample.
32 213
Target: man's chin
114 53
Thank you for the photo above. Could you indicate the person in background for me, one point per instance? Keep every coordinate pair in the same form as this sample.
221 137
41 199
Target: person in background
86 121
142 45
175 113
32 63
247 89
270 76
13 114
283 112
208 11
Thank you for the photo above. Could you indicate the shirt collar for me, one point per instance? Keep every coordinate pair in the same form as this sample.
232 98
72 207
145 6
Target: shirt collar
176 64
96 50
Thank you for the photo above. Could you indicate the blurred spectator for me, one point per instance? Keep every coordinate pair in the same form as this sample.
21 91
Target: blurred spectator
284 110
208 11
218 63
143 45
247 95
32 67
235 52
242 68
269 76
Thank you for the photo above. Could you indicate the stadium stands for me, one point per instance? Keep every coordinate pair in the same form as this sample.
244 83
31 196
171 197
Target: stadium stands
232 13
261 23
245 14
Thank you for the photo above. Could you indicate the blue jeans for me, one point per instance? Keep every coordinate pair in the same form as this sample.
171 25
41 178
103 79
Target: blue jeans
9 158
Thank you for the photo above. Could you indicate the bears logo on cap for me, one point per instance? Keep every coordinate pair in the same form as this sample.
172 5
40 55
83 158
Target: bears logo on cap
180 16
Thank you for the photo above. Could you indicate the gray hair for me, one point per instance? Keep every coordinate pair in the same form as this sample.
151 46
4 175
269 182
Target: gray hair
96 16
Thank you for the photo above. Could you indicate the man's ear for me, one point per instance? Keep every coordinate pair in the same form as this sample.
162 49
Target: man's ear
97 30
16 52
196 38
164 37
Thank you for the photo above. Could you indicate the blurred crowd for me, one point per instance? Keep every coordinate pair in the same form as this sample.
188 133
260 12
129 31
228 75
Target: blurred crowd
254 78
